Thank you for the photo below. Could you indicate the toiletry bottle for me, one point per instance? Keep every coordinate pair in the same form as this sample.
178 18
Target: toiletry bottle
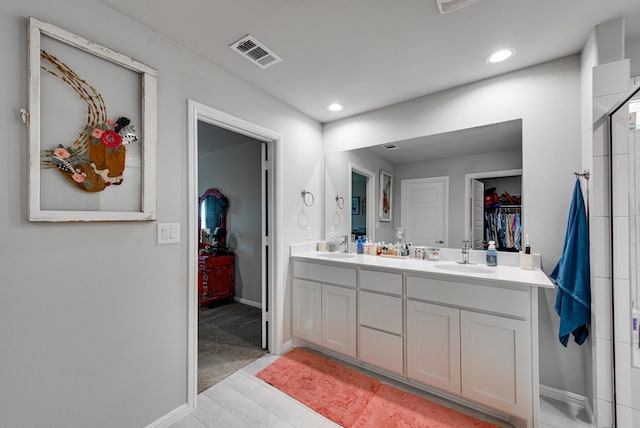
367 246
492 254
360 246
527 246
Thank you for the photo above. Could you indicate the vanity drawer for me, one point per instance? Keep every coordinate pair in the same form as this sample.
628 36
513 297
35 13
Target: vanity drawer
324 273
384 282
507 301
381 349
381 312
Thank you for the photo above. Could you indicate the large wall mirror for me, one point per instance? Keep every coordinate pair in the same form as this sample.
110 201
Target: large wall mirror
431 181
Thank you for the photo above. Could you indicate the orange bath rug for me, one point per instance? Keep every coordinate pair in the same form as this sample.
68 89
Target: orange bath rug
330 389
393 408
352 399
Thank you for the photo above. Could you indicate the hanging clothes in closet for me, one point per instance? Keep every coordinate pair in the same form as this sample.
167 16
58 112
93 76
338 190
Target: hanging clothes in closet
503 226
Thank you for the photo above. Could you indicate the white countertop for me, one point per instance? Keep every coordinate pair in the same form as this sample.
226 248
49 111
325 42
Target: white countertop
501 274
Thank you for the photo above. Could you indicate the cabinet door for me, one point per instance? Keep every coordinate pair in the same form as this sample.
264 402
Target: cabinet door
496 362
339 319
307 301
433 345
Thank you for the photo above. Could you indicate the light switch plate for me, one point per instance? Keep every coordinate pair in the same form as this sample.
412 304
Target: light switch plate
168 233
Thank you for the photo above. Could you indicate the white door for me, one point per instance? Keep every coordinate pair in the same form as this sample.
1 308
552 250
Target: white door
496 362
339 319
477 215
307 310
425 210
433 345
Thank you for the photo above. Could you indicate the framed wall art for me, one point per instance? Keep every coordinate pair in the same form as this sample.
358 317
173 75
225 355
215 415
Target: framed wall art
92 122
386 188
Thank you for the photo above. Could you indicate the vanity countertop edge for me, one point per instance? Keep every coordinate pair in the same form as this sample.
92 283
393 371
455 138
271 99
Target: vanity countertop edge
501 274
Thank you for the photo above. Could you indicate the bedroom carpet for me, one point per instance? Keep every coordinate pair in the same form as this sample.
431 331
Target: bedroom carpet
353 399
228 339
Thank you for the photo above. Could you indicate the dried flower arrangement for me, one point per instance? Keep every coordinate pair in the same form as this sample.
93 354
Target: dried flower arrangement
96 159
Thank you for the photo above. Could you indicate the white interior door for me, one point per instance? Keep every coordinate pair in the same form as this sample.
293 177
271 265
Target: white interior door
425 210
477 215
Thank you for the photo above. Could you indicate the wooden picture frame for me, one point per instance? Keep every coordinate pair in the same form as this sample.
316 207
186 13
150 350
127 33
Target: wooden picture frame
140 193
386 190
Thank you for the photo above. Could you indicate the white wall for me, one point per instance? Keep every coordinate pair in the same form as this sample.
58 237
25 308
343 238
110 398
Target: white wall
237 171
546 97
94 316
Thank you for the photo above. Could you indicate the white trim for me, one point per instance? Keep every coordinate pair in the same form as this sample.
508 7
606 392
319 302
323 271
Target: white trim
200 112
170 418
571 398
287 346
467 194
247 302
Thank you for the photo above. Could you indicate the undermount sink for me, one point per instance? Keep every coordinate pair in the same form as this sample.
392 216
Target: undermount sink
338 255
465 268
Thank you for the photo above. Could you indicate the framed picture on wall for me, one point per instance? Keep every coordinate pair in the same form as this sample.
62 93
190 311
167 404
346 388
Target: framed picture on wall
92 124
386 186
355 205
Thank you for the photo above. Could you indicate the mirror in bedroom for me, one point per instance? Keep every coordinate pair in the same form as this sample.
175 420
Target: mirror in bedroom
441 189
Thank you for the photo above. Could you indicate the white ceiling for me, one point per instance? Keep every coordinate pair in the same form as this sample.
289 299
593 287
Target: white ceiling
495 137
368 54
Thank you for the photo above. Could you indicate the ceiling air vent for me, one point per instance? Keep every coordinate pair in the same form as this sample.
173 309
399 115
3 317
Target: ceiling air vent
251 49
446 6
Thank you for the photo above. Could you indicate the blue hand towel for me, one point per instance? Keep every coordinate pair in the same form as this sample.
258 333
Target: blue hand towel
572 275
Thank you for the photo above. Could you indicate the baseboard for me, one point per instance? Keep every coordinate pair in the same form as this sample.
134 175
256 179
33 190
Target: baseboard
247 302
571 398
171 417
287 345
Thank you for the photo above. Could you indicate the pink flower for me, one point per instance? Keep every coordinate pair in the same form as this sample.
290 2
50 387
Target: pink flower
97 132
61 153
111 139
110 122
78 178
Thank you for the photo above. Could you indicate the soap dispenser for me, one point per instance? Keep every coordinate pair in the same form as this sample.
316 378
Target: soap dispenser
492 254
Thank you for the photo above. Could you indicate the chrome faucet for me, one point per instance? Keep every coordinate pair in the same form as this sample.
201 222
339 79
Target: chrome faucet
345 242
466 246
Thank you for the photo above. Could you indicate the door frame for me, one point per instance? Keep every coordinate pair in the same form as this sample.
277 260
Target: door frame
468 227
200 112
371 195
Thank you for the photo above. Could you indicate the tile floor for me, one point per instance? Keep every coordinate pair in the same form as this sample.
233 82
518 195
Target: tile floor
242 400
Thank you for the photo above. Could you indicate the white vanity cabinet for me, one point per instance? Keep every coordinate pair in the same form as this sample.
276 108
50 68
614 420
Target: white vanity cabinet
496 361
433 345
324 306
380 323
472 340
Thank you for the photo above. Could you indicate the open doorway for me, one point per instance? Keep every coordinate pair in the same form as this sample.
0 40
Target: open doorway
495 209
362 185
229 268
244 169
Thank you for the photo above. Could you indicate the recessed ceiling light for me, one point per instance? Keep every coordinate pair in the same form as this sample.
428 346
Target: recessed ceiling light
335 107
500 55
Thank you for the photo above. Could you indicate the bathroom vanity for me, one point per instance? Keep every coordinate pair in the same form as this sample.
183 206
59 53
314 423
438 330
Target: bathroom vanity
465 332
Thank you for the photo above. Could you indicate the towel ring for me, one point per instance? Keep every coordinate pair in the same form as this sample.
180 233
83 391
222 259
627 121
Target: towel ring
338 202
304 194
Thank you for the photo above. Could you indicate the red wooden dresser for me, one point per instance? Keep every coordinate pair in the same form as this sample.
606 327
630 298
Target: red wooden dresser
215 278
